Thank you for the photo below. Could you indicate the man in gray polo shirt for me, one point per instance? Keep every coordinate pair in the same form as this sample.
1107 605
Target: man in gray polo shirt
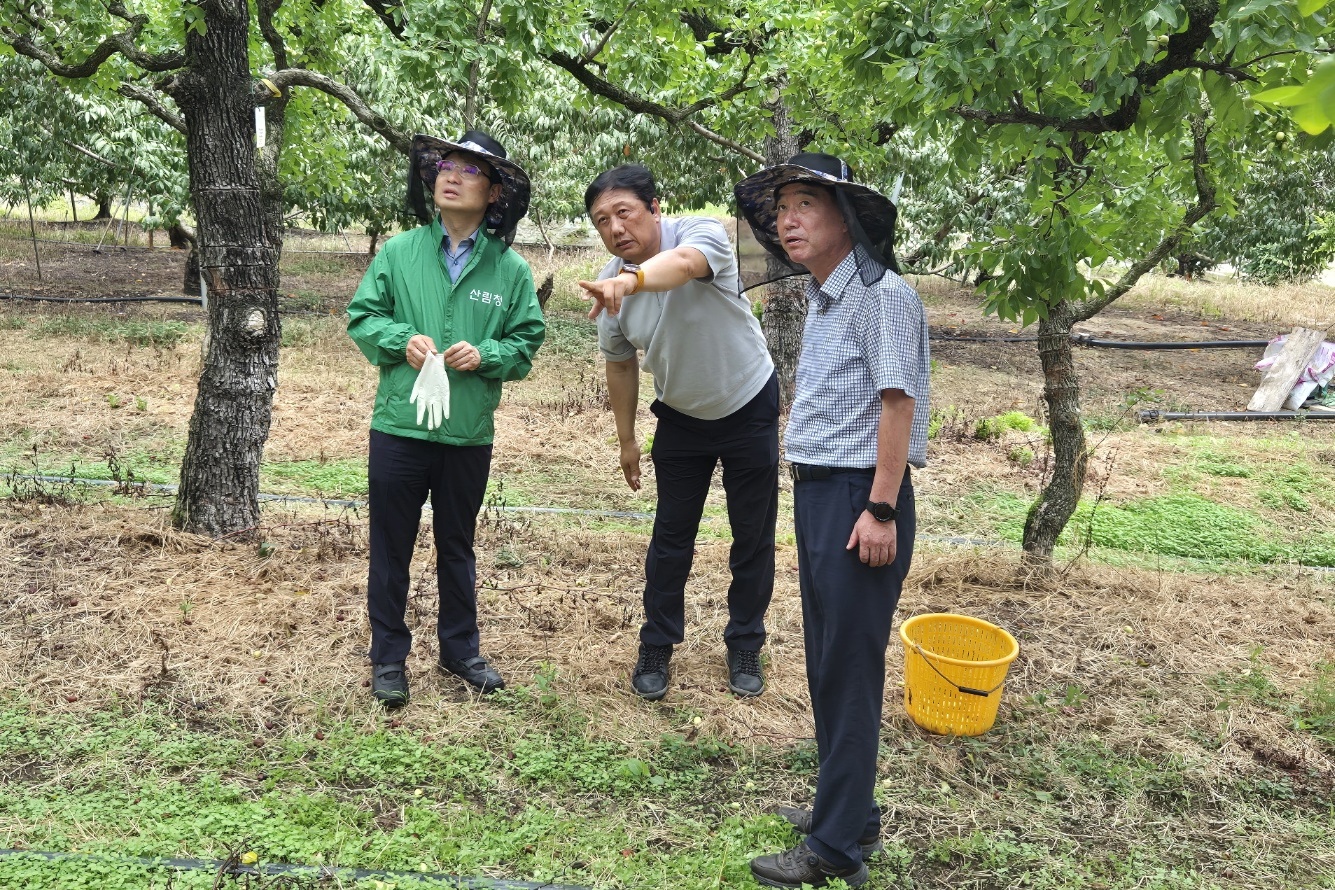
857 423
670 292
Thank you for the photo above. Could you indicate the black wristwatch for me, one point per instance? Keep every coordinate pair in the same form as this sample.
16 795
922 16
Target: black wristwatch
881 511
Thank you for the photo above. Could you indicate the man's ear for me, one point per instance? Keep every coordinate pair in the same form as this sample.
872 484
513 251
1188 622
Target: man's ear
655 209
495 194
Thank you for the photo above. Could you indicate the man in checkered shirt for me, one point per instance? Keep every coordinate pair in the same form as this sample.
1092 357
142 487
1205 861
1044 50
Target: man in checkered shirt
857 424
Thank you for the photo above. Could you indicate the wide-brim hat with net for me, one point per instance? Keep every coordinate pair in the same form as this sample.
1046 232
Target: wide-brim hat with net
505 212
870 215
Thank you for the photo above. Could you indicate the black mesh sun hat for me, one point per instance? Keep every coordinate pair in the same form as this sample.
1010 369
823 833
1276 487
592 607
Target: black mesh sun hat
505 212
869 215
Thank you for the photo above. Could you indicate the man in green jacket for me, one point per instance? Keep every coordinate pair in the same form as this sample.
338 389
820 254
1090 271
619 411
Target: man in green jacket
453 290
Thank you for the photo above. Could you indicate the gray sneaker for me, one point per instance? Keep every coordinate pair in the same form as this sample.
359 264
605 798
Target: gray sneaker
389 684
650 678
800 818
800 865
744 674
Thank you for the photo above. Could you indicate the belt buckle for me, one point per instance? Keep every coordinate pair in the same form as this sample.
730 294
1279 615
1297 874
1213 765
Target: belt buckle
808 472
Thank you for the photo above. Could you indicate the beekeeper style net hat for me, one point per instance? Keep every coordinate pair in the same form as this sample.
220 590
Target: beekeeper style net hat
504 214
869 215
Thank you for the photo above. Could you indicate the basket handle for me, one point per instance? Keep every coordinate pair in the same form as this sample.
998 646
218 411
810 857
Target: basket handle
967 690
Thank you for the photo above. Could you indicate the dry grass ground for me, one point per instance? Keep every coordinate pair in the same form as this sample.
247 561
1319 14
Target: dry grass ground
104 607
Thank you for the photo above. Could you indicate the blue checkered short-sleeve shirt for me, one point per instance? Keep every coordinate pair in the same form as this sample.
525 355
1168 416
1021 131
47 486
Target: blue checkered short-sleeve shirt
857 342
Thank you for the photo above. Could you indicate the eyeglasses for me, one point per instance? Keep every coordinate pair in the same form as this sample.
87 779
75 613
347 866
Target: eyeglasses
470 170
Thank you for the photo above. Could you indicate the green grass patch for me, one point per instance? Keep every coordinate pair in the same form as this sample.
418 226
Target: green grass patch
1186 524
540 796
314 478
138 332
990 428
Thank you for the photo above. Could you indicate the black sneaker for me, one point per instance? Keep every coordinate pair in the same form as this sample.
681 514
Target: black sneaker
744 676
800 818
651 672
800 865
476 672
389 684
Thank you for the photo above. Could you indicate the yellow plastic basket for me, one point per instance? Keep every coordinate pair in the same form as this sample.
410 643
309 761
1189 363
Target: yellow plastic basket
954 671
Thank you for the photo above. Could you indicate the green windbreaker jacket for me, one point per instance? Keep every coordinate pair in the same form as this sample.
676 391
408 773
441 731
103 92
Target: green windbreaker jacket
493 305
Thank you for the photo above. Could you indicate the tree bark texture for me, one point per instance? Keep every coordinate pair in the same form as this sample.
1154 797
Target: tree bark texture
785 299
1061 391
220 472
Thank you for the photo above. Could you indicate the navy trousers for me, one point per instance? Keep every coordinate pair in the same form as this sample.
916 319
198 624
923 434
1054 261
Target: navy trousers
685 452
402 473
847 610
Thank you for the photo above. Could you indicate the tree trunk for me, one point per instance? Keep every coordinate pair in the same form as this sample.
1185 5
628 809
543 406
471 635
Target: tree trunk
1061 390
220 471
190 282
785 302
103 206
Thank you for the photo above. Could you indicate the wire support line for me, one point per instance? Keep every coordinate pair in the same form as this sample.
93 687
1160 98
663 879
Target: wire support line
320 872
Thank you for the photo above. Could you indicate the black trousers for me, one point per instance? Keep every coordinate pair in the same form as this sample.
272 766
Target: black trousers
847 610
685 452
402 472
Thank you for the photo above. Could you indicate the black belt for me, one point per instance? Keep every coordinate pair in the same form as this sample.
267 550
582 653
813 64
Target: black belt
814 472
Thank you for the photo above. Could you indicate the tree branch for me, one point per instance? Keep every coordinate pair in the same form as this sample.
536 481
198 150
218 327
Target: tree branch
1226 70
382 10
1179 56
122 42
475 68
265 10
600 86
1205 204
301 77
726 142
150 101
24 45
703 28
594 51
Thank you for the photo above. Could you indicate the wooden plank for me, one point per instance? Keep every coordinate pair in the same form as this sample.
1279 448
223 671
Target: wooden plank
1294 357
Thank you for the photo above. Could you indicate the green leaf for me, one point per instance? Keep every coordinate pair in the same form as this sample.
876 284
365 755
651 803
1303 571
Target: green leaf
1279 96
1311 118
1307 7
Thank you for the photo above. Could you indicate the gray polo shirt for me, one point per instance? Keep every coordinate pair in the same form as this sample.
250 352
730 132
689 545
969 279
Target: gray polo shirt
700 341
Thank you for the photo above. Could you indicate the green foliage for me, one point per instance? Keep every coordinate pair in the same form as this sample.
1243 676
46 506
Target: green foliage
1218 465
1312 102
1090 128
1281 230
1317 711
950 422
138 332
1021 455
990 428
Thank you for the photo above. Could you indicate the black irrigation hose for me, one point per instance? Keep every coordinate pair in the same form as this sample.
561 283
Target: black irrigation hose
1088 340
36 299
1154 415
320 872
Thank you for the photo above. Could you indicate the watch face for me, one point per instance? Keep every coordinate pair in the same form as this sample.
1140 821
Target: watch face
881 511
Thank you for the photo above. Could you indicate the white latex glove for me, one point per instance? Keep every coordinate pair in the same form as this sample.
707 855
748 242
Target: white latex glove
431 391
440 385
